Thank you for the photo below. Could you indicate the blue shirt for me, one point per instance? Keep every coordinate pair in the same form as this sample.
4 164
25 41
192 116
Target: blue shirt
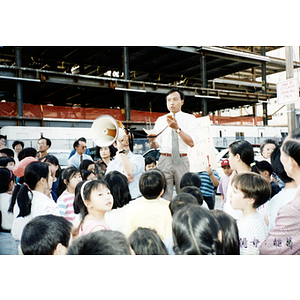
87 151
207 188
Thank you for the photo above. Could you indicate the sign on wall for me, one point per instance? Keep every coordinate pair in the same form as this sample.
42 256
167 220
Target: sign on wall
203 152
288 91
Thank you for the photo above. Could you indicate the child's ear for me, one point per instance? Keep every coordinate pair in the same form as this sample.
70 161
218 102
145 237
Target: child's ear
250 201
60 249
162 192
87 203
220 236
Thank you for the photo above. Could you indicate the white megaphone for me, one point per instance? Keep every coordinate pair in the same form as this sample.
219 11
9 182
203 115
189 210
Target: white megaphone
105 131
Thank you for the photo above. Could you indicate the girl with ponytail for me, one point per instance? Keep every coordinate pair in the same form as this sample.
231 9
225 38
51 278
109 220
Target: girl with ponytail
33 198
92 201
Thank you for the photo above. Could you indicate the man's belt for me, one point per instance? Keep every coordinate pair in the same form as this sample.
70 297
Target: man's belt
169 154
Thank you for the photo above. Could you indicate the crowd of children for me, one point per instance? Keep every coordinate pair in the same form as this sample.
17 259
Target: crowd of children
46 210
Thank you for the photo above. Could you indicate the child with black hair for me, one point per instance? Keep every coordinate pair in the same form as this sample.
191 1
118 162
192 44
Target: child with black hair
230 233
87 164
33 198
190 179
7 152
55 173
151 211
249 191
8 245
196 232
88 175
180 200
104 242
118 184
68 180
266 170
193 191
46 235
7 162
150 163
93 201
191 183
146 241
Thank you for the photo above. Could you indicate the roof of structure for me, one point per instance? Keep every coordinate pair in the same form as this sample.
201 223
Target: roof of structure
94 76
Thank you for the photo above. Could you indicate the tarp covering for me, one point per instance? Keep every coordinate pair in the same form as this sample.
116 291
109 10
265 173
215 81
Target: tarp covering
9 109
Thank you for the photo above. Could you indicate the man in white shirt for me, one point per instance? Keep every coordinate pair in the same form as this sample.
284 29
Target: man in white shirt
80 155
179 134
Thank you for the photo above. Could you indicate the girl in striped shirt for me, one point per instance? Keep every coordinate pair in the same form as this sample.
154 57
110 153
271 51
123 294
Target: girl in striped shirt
69 179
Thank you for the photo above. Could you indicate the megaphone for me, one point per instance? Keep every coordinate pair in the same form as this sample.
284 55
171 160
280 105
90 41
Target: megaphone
106 130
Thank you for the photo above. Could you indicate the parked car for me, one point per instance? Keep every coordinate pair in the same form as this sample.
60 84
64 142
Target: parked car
224 154
152 152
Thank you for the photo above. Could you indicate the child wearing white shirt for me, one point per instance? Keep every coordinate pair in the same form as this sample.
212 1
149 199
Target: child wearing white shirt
249 191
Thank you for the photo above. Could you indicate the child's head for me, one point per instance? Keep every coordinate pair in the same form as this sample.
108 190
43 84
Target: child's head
68 180
180 200
27 152
46 235
94 196
151 184
7 180
87 164
150 163
54 164
103 242
7 152
196 231
7 162
195 191
119 188
278 167
190 179
88 175
230 234
37 176
146 241
226 167
265 169
249 189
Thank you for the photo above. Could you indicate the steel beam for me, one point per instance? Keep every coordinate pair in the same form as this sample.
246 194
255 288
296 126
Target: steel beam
127 77
264 86
19 87
45 76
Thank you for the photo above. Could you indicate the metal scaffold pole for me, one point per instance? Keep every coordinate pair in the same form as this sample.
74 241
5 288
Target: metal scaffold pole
290 74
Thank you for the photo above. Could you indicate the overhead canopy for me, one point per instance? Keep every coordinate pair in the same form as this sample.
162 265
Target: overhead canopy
94 76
